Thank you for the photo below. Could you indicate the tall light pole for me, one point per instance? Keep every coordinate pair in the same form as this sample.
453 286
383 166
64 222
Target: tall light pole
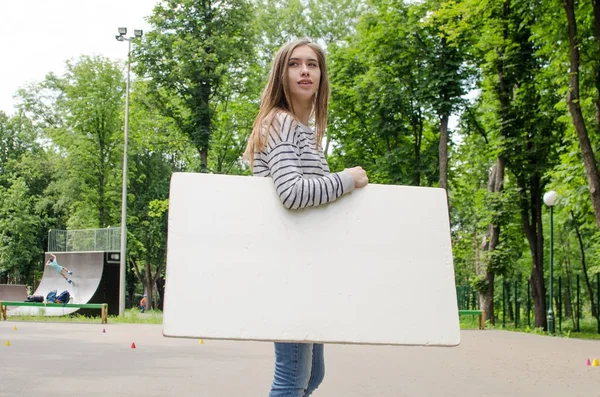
123 256
550 199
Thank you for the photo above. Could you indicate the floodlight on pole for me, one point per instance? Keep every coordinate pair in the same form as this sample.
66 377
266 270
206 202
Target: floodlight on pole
123 254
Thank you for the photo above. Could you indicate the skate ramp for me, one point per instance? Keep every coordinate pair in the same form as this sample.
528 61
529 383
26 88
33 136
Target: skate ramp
13 292
87 268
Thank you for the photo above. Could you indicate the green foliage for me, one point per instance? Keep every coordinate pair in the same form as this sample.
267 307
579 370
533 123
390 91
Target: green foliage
479 284
535 331
17 137
83 120
378 115
157 150
27 208
197 56
232 124
132 316
18 229
157 208
447 72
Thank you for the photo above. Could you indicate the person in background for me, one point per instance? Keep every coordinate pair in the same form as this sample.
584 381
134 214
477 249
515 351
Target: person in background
143 303
63 271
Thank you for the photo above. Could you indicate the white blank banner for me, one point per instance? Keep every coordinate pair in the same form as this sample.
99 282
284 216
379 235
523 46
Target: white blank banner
374 267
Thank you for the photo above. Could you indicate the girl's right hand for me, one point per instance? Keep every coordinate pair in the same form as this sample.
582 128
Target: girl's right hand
359 175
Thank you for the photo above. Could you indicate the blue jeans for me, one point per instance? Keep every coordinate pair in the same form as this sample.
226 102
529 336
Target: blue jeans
299 369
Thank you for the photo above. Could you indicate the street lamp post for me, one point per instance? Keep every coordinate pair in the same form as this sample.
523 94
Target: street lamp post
121 37
550 200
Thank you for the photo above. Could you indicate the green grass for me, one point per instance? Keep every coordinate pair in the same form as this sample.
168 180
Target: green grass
469 322
588 327
131 316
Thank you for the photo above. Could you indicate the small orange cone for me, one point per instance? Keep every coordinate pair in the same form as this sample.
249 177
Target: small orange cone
7 343
595 363
587 362
200 342
133 345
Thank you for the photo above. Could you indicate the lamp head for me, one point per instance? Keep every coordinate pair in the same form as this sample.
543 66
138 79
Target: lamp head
550 198
122 31
138 33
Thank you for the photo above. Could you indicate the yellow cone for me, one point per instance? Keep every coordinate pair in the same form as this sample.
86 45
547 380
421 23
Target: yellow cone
7 343
15 328
200 342
595 363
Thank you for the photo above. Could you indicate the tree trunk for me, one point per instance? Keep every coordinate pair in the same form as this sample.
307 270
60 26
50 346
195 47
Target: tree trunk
130 279
596 8
160 288
573 100
569 312
495 184
418 135
444 116
102 213
148 287
486 298
204 160
532 226
538 292
443 152
490 241
584 267
509 303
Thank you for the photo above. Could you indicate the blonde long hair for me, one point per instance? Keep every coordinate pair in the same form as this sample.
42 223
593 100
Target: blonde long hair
276 97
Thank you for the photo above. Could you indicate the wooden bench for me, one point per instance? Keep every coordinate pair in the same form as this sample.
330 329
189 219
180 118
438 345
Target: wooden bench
473 312
102 306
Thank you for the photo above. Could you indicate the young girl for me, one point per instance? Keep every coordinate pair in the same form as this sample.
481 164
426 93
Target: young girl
282 146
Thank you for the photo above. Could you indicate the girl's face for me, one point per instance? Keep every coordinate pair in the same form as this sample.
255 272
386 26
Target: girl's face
304 74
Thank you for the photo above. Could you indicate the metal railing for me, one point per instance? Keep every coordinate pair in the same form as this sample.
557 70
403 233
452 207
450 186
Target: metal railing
85 240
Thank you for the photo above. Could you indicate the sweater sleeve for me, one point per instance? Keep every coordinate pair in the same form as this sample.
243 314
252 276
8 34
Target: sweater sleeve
285 167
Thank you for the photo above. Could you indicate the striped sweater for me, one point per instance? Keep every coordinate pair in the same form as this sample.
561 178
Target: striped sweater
300 172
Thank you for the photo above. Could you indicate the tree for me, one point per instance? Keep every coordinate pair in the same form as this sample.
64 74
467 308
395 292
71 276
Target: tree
574 98
446 68
81 112
518 101
26 171
18 225
18 230
195 45
379 113
529 129
569 180
483 203
280 21
17 137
